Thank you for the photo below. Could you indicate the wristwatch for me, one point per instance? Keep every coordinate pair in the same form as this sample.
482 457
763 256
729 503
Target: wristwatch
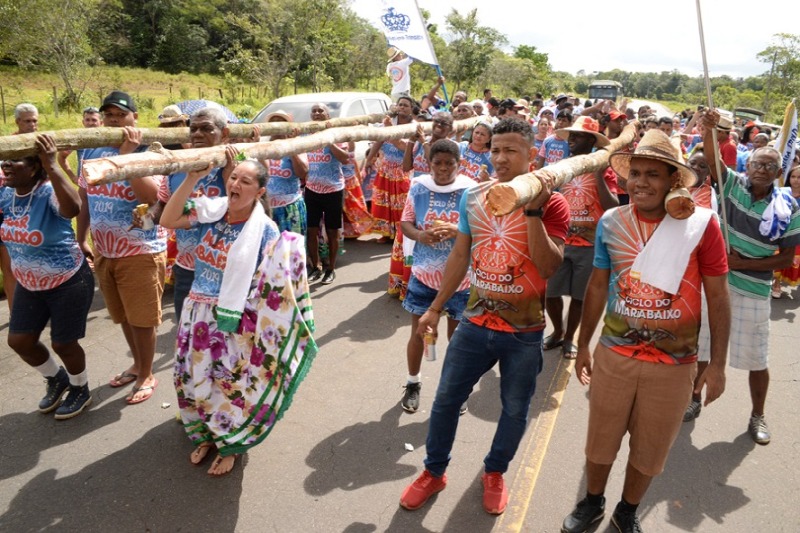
534 213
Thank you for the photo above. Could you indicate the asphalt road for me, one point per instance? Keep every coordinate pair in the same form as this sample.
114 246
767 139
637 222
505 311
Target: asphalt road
338 461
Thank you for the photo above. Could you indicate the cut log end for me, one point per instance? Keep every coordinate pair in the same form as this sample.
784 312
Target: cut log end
97 173
501 199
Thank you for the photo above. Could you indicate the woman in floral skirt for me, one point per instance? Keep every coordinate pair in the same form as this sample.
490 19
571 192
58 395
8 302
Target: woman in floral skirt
244 342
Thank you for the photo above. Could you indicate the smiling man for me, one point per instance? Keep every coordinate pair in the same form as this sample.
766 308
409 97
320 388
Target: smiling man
511 257
760 244
648 272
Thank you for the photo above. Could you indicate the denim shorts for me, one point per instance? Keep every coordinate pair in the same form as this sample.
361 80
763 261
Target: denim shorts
66 307
420 297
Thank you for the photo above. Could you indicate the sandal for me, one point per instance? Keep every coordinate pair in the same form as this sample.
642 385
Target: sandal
200 453
551 342
569 351
122 379
220 463
146 389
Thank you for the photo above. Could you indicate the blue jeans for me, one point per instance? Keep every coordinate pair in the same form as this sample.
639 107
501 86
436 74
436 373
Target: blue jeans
183 280
472 352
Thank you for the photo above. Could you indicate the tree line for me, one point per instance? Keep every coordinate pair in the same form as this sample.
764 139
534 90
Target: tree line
292 46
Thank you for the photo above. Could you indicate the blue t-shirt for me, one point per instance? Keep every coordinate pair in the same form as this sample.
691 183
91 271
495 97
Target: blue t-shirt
424 208
41 243
471 161
554 150
111 215
211 254
324 172
283 187
210 186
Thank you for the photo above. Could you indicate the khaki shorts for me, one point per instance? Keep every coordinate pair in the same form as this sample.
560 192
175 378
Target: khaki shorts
644 399
132 287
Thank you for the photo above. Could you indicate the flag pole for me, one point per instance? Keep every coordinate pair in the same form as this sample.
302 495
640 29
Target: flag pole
715 149
433 54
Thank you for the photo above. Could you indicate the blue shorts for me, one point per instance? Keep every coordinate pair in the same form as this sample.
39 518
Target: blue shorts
420 297
66 307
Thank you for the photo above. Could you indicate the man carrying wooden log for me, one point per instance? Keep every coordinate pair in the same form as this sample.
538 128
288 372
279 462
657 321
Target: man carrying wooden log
649 269
129 261
511 258
207 127
588 195
324 197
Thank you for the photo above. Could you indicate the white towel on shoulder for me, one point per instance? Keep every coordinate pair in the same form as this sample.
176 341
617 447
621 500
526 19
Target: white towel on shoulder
663 261
241 261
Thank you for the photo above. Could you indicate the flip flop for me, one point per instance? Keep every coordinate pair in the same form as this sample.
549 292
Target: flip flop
569 351
122 379
551 342
147 389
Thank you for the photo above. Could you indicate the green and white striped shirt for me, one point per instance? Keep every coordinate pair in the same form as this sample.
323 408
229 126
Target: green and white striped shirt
744 217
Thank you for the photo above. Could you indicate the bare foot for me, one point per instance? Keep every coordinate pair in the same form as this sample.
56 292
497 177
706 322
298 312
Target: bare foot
200 453
221 465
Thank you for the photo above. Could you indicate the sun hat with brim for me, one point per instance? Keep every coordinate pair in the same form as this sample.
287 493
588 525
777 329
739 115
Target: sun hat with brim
725 123
279 113
172 113
392 52
654 145
584 124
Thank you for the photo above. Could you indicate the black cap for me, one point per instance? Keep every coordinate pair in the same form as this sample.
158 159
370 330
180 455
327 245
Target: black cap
119 99
508 103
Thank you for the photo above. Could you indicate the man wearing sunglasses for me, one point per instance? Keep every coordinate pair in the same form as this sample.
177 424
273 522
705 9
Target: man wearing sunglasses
762 220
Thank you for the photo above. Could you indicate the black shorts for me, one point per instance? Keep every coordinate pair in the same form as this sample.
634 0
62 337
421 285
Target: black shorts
328 204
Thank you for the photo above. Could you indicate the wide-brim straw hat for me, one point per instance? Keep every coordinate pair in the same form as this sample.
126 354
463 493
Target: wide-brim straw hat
657 146
392 52
584 124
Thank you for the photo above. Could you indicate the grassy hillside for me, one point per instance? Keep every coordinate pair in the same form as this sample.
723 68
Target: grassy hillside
151 90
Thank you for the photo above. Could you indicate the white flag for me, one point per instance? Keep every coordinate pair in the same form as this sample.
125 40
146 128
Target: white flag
786 142
401 22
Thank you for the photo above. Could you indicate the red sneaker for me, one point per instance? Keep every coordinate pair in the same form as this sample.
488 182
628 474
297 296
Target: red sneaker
495 493
421 490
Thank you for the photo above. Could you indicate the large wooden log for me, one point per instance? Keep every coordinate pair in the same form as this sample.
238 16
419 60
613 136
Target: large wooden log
158 161
18 146
504 198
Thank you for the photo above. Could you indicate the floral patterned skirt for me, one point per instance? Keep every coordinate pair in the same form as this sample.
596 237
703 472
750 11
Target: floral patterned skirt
233 387
399 268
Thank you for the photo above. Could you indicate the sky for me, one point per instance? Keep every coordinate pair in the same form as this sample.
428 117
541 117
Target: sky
631 35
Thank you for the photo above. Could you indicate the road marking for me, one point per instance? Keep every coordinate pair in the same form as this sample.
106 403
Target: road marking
535 450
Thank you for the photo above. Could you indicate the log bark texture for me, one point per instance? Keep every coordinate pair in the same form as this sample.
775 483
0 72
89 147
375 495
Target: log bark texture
503 198
18 146
159 161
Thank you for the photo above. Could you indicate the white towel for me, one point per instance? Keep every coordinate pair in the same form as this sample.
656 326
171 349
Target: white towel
778 214
240 265
663 261
461 182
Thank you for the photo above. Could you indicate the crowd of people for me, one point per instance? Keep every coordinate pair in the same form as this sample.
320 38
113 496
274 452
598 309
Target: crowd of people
607 239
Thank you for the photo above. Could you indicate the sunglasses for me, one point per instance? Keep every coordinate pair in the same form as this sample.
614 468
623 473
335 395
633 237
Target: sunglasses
90 109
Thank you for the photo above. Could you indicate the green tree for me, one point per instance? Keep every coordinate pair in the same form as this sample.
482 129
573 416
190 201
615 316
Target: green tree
472 47
52 36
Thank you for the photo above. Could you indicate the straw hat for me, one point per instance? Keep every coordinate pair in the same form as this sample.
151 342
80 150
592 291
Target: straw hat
172 113
654 145
392 52
584 124
279 113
